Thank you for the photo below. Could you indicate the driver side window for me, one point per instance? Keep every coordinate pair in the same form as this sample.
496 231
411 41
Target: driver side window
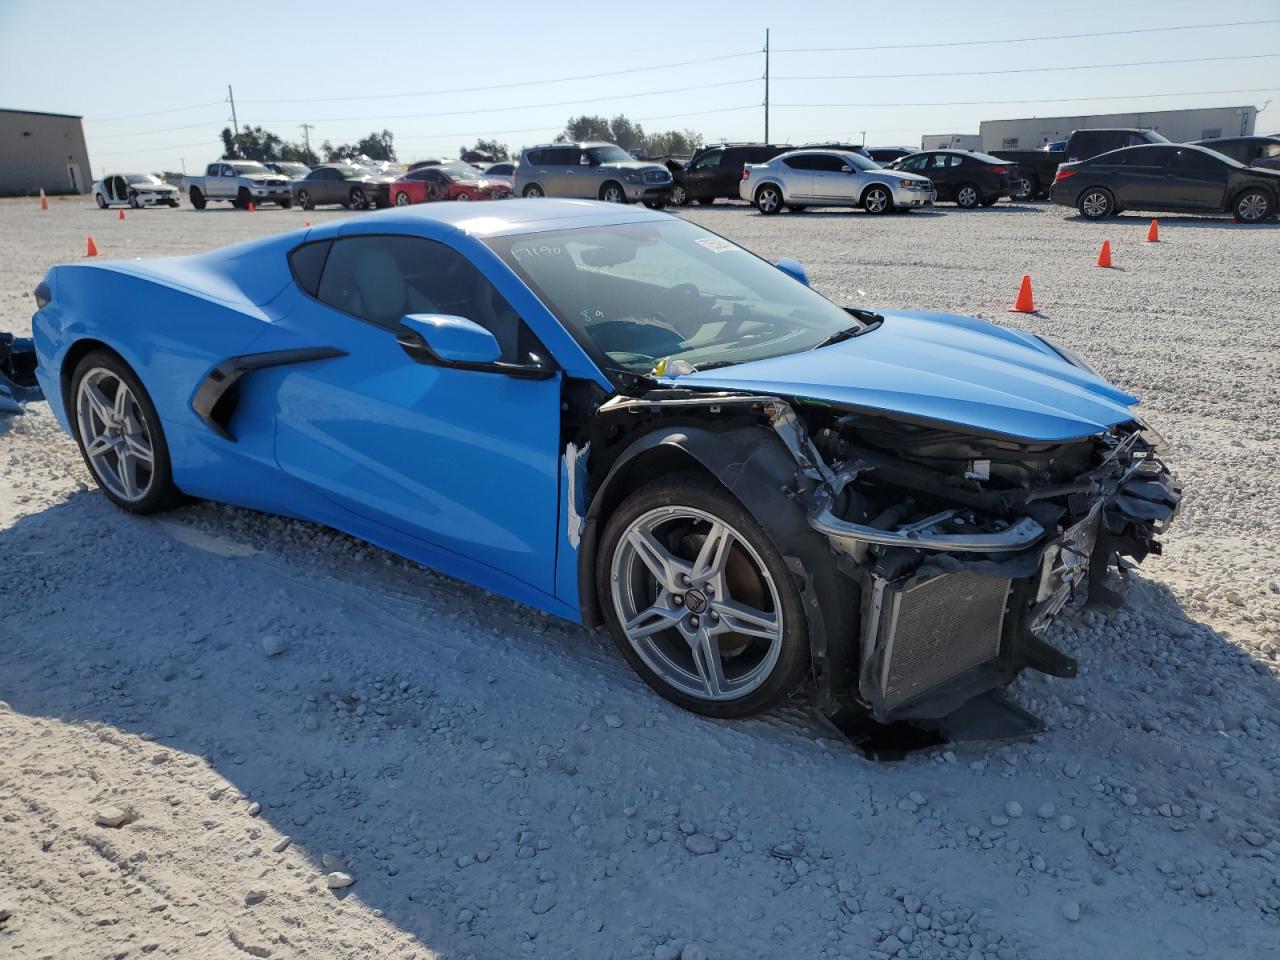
380 279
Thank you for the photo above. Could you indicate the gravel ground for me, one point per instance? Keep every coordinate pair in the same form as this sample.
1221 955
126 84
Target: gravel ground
267 708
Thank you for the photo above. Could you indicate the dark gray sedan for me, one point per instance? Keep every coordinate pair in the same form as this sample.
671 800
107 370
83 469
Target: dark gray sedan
1167 177
354 187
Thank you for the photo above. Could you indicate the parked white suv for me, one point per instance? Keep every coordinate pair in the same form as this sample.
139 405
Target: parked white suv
831 178
594 171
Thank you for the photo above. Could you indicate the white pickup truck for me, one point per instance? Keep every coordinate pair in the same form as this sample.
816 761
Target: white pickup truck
241 182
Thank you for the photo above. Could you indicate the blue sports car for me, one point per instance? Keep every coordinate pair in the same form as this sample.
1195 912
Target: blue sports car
616 416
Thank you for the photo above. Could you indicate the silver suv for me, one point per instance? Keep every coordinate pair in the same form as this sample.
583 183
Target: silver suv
831 178
595 171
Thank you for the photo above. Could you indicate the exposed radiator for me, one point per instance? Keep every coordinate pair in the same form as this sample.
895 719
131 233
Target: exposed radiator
935 630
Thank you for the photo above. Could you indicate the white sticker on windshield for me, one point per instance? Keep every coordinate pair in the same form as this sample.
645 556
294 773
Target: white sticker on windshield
715 244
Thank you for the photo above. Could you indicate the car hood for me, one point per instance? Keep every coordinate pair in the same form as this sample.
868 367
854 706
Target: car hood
942 369
638 165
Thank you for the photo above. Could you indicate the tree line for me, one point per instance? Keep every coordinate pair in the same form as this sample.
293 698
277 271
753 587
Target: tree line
258 143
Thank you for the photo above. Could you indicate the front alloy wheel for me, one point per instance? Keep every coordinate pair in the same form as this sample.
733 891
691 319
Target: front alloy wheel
678 196
700 601
1253 206
358 200
304 200
877 200
612 193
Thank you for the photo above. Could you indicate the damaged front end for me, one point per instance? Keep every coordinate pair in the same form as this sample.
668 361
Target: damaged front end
965 548
942 555
17 373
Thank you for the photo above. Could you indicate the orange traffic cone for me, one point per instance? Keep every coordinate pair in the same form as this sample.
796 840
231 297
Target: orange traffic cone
1024 303
250 208
1104 256
44 201
1153 234
91 249
121 214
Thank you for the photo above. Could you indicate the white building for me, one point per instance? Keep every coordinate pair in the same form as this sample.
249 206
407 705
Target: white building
951 141
1178 125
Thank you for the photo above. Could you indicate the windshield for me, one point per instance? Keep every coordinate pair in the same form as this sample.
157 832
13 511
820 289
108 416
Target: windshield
353 173
294 169
142 178
859 162
609 154
250 168
636 293
460 171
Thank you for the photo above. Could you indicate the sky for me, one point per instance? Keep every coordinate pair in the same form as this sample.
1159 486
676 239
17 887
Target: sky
157 100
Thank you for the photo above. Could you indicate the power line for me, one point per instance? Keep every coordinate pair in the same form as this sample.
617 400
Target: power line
985 73
378 118
143 133
509 86
156 113
982 103
1061 36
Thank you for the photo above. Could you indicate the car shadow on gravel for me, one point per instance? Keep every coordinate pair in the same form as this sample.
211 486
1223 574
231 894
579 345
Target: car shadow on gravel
1222 222
369 768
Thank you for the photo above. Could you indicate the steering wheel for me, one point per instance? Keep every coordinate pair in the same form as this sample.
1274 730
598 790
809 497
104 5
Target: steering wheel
681 307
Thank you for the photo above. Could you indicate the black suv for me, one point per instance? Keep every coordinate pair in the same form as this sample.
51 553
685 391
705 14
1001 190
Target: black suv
1251 151
966 178
714 172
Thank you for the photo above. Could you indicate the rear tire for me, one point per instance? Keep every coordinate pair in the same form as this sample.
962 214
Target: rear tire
768 199
113 431
1253 205
197 199
696 659
1096 203
1026 187
967 196
533 191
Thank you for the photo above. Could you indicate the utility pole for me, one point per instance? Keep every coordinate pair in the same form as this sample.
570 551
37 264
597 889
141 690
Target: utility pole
306 138
231 99
766 85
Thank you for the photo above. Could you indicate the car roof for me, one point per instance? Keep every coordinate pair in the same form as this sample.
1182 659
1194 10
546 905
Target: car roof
505 218
1207 140
579 144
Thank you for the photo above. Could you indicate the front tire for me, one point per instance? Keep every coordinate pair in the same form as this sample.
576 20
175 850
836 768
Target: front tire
1253 205
1096 203
967 196
358 200
699 600
197 198
612 192
133 200
243 199
119 435
305 201
768 199
679 196
102 201
877 199
402 199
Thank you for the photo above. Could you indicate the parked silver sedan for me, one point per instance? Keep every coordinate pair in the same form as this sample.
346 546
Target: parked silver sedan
831 178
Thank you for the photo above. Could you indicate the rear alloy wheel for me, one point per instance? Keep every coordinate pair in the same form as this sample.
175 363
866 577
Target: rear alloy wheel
1254 206
197 198
1025 187
102 201
402 199
612 193
1096 204
358 199
877 199
768 199
119 435
967 196
533 191
699 600
305 201
679 197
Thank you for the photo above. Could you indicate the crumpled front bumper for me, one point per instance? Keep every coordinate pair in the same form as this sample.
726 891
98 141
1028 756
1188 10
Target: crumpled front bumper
18 383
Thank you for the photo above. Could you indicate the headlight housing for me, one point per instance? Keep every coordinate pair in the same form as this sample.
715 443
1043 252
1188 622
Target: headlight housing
632 177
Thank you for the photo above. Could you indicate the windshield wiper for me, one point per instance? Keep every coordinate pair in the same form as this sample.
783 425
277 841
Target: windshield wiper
715 364
869 321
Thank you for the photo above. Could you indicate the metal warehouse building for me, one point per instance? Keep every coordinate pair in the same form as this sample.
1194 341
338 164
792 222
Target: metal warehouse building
1178 125
42 150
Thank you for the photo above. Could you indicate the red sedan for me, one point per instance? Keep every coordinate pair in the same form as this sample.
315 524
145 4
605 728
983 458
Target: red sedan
448 181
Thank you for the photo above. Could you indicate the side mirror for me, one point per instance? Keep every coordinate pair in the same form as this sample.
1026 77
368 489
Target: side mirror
792 268
441 340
